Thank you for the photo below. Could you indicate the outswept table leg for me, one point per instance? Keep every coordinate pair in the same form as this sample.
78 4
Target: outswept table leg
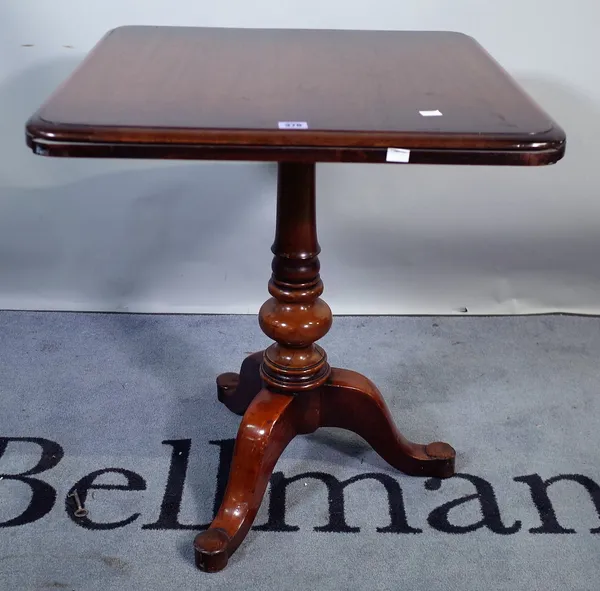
351 401
270 423
237 390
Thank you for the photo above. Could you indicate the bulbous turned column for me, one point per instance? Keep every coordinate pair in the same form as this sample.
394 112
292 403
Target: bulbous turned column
295 316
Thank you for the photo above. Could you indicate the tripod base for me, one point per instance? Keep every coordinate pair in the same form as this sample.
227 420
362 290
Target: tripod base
271 420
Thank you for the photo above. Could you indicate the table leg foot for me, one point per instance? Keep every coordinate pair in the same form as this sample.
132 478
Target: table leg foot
211 549
270 423
237 391
351 401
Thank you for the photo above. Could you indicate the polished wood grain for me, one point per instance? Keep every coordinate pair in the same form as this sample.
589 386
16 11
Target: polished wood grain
293 389
218 93
295 317
269 424
197 93
237 390
347 400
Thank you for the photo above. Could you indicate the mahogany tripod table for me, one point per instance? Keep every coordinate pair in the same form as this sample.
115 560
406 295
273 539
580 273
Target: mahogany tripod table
296 97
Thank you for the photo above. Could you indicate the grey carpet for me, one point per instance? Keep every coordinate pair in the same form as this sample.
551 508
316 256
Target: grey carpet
517 397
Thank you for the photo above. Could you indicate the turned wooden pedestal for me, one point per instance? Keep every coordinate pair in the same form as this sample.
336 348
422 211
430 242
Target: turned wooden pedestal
290 389
295 97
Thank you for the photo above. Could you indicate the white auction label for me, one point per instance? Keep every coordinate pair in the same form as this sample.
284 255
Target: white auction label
435 113
293 125
397 155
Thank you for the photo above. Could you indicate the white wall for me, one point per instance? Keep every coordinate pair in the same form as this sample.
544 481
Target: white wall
195 237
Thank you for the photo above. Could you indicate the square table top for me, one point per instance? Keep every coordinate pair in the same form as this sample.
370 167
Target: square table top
291 94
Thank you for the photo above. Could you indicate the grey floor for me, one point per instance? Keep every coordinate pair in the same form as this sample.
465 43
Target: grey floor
94 396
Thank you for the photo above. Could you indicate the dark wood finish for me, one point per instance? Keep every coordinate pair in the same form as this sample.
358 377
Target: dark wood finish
295 317
347 400
210 93
196 93
295 154
237 391
300 391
